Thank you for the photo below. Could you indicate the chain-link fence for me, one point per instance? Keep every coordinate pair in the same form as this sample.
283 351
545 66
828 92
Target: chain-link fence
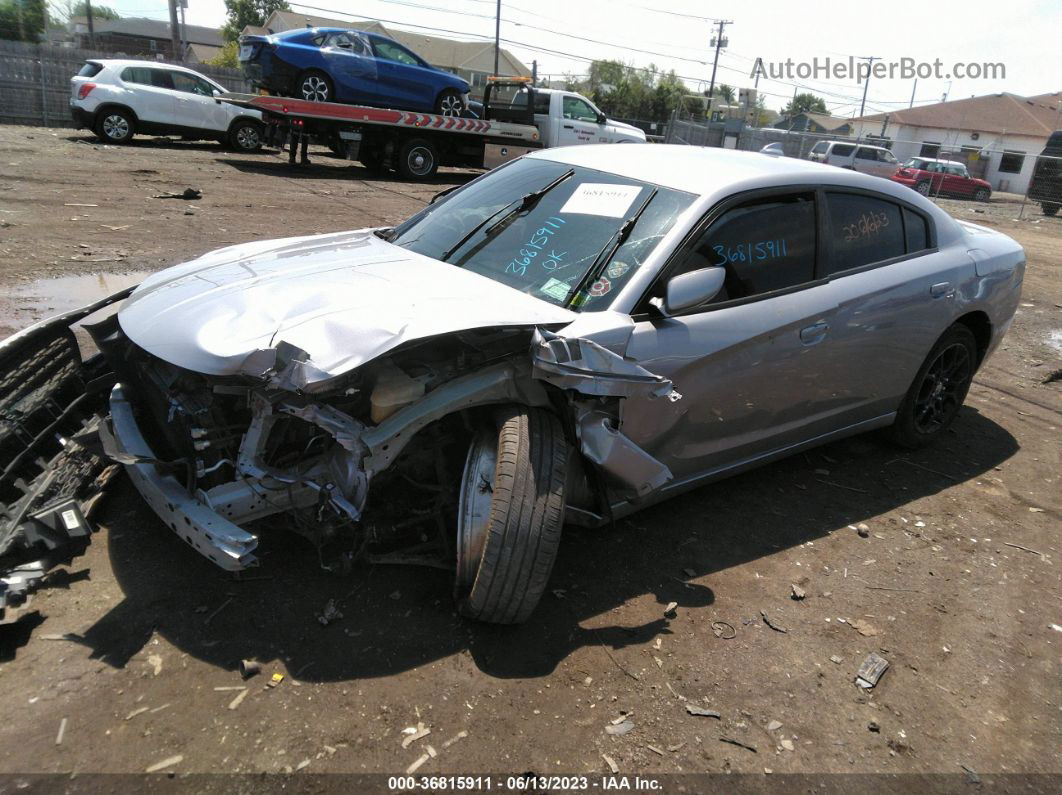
35 81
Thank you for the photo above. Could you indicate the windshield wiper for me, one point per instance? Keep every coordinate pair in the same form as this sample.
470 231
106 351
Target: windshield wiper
617 239
526 202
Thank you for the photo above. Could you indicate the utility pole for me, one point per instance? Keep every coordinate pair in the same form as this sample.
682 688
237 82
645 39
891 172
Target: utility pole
175 31
870 63
184 31
534 73
718 41
92 29
913 90
497 35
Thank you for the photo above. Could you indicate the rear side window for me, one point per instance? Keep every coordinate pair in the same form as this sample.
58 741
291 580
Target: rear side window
863 230
90 69
542 103
842 150
137 74
863 153
765 245
916 231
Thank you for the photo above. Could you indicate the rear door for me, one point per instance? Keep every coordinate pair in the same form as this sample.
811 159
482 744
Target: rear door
150 94
841 155
754 365
893 291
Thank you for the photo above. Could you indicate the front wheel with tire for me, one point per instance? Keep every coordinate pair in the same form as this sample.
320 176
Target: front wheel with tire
1049 209
938 390
115 126
982 195
417 159
315 86
923 188
449 103
245 135
510 516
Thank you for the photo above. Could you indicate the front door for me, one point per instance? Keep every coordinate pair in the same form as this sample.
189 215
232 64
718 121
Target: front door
196 106
403 77
752 366
578 124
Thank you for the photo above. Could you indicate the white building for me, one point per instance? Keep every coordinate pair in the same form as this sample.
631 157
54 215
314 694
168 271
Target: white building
998 136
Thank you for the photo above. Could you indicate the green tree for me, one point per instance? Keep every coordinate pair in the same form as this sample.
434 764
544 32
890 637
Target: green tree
629 92
65 9
725 93
242 13
23 20
229 56
804 103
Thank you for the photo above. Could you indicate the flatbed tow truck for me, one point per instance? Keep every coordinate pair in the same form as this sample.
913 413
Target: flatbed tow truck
414 144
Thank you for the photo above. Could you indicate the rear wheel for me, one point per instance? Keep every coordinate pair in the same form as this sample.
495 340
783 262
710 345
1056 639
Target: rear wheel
115 126
923 188
449 103
418 159
315 86
510 516
981 195
1049 209
938 390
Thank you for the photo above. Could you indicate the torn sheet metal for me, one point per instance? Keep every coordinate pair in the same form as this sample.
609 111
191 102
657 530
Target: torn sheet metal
590 369
619 456
343 299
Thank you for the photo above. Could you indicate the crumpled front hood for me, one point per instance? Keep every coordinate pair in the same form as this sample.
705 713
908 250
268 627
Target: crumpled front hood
342 298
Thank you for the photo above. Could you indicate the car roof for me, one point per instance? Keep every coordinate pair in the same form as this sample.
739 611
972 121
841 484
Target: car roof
702 170
123 62
714 173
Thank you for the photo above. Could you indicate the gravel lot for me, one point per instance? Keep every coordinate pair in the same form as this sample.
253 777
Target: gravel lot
956 582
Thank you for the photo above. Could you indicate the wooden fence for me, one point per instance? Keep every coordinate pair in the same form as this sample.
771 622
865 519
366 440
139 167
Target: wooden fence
35 81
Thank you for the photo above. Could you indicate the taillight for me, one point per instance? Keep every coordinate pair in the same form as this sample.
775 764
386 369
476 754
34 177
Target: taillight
85 89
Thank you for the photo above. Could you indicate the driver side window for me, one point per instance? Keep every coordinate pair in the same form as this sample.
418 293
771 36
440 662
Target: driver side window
577 109
765 245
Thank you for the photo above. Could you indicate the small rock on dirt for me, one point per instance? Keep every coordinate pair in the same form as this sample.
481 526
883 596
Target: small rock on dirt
774 726
788 745
796 593
619 729
671 609
693 709
871 670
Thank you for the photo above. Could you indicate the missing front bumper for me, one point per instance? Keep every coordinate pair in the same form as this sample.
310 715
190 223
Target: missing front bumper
202 527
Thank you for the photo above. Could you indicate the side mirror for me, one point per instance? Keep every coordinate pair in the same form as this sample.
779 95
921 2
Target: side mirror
216 93
692 289
601 118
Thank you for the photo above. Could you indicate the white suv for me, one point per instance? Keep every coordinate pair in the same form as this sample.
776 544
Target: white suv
117 99
874 160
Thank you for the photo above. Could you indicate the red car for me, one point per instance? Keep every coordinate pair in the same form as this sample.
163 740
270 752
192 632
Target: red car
941 178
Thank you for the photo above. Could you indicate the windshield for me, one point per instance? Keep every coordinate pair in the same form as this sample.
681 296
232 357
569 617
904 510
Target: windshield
568 235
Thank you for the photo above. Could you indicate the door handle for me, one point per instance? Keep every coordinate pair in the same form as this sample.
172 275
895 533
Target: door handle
569 127
941 290
812 335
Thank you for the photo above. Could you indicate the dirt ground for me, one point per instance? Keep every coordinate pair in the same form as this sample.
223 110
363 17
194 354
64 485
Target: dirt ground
135 646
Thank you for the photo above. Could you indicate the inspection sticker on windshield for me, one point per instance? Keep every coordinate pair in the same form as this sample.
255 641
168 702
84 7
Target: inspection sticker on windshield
599 198
555 288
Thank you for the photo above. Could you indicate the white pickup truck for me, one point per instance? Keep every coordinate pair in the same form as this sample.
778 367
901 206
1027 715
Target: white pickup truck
568 119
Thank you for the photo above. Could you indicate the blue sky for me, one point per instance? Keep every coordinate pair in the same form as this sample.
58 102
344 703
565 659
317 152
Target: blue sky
674 34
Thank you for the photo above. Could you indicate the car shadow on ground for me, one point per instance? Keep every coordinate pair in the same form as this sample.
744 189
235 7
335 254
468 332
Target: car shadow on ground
397 618
326 165
177 144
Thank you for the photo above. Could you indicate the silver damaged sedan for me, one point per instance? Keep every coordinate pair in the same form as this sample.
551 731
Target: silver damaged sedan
570 338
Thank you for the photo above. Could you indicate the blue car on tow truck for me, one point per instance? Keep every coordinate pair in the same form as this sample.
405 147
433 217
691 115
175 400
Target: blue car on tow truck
350 66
